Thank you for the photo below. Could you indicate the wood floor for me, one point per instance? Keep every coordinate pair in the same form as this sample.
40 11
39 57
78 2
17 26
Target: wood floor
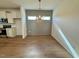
32 47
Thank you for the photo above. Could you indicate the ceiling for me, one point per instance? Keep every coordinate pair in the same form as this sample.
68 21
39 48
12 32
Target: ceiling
7 4
30 4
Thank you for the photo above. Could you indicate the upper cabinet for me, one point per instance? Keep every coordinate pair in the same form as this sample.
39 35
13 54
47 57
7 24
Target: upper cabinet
2 14
15 13
18 14
10 14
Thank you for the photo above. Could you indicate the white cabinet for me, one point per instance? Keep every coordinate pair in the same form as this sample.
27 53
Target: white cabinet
13 13
1 26
11 32
9 16
18 14
2 14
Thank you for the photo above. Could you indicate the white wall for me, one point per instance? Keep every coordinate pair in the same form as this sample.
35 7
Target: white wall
18 26
65 27
23 19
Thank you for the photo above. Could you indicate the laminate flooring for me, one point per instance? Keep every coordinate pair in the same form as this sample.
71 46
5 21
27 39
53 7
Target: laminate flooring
32 47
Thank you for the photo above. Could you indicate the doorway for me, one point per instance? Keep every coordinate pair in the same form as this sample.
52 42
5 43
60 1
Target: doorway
38 27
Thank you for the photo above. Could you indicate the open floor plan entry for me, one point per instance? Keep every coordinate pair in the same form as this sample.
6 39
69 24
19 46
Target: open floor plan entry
39 28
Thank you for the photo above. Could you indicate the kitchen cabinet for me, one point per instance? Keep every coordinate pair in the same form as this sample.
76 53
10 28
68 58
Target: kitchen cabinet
9 16
18 14
11 32
1 26
14 13
2 14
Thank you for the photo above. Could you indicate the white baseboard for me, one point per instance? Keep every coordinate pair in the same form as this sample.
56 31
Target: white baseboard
69 47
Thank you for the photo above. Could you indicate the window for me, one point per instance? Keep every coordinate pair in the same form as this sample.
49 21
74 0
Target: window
42 18
31 17
46 18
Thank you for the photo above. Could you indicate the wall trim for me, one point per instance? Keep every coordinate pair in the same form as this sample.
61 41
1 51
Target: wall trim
72 51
